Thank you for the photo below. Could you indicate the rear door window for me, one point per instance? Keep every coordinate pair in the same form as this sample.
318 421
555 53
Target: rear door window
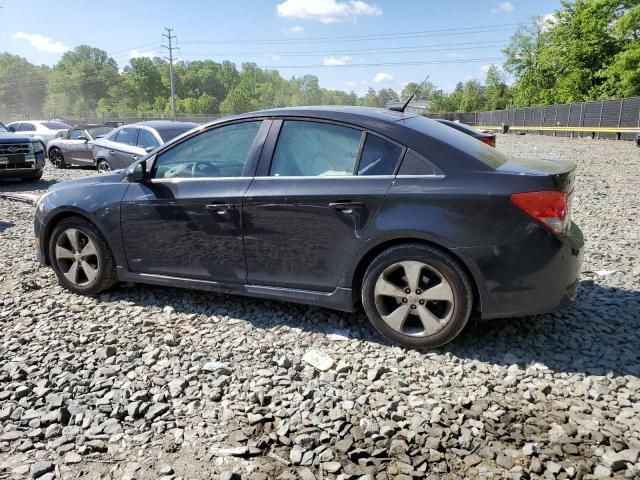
314 149
127 136
379 156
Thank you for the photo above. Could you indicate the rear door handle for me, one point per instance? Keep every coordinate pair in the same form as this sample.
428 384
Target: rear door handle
135 157
345 205
112 152
219 208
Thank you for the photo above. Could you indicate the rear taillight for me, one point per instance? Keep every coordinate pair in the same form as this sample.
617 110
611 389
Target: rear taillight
551 209
491 141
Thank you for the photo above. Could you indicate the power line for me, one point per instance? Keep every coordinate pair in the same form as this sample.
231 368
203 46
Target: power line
359 38
373 51
170 48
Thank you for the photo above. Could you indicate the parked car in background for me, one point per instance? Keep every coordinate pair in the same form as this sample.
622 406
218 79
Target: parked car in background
485 137
76 148
41 130
21 157
128 143
332 206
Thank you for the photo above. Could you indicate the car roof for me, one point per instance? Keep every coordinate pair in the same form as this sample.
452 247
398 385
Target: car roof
84 126
162 124
333 111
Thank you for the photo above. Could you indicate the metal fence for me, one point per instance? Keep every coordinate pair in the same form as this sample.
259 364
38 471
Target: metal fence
620 113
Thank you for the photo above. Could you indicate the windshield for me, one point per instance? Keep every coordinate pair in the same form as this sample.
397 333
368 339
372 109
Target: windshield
3 128
99 131
56 125
167 134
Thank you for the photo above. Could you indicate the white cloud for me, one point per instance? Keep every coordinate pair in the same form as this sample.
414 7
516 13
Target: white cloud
337 60
546 21
326 11
352 83
383 77
504 7
138 54
42 43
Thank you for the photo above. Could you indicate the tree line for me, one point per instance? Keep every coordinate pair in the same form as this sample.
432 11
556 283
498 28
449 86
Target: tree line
587 50
87 82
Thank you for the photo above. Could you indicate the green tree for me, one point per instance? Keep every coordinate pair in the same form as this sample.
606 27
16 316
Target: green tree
79 80
22 86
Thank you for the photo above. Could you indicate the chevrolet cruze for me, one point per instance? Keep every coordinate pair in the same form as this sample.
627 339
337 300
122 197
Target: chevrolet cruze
341 207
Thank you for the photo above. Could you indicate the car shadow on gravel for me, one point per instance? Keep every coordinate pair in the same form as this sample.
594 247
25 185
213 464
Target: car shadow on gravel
599 334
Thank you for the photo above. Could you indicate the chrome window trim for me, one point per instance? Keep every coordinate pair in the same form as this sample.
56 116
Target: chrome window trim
325 177
435 175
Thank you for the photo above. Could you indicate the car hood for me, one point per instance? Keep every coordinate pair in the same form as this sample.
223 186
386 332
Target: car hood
13 138
115 176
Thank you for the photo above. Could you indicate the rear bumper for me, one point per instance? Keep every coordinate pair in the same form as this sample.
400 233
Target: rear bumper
535 276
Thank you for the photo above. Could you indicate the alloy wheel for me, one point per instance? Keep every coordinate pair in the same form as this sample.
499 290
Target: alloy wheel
77 257
56 158
414 298
104 167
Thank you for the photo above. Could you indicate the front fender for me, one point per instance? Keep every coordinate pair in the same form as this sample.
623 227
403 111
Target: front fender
98 203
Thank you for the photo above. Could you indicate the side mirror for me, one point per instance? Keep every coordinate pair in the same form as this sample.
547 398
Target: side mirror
84 138
138 173
12 129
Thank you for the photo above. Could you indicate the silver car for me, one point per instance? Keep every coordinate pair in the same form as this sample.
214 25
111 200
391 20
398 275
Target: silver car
76 148
41 130
126 144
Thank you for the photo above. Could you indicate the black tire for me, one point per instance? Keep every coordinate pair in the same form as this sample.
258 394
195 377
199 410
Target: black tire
106 276
103 166
59 161
433 257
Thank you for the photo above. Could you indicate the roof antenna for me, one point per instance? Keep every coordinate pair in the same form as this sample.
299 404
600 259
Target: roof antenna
406 104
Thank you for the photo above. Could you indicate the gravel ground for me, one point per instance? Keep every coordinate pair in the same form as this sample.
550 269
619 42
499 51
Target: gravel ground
147 382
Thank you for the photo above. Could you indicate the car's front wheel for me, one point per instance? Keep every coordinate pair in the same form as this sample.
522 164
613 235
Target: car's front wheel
80 257
56 158
103 166
417 295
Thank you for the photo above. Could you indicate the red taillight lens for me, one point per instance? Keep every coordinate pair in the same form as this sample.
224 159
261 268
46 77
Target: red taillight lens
491 141
551 209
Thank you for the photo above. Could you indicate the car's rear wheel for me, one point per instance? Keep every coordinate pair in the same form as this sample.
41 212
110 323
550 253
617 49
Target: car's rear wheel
80 257
417 295
56 158
103 166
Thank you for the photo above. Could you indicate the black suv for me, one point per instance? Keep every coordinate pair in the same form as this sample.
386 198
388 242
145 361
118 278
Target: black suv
20 157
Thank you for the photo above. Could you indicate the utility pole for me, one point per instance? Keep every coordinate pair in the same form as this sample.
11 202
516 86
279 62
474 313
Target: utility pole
170 48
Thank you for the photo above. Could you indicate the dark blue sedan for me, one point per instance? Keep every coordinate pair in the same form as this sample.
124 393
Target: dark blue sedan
416 222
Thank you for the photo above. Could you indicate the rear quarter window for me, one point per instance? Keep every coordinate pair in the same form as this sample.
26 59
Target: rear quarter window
489 156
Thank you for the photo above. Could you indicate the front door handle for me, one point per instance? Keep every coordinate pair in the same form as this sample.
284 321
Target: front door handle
345 205
219 208
135 157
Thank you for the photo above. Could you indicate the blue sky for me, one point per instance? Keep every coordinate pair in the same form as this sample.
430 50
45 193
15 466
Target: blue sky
348 44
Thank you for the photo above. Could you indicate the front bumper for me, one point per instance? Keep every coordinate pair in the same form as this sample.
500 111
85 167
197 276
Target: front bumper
530 277
22 168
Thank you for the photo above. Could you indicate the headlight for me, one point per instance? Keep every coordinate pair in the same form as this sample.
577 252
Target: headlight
37 147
